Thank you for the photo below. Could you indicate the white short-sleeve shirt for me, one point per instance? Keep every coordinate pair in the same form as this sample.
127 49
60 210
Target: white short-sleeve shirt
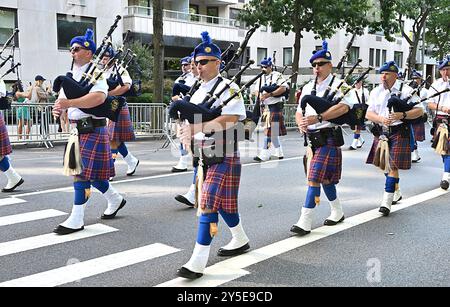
443 99
274 77
2 89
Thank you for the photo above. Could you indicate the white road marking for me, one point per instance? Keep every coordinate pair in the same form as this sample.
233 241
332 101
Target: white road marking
28 217
17 246
11 201
78 271
233 268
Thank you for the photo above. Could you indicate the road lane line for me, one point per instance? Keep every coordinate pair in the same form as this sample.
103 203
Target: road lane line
11 201
230 269
17 246
78 271
28 217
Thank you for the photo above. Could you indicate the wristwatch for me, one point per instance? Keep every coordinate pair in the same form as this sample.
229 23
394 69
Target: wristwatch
404 115
319 118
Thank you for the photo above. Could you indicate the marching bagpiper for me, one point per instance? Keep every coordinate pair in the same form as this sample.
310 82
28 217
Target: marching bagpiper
94 149
391 149
441 104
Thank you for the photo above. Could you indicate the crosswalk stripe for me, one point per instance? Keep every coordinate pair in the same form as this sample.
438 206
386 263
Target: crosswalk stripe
11 201
28 217
17 246
78 271
233 268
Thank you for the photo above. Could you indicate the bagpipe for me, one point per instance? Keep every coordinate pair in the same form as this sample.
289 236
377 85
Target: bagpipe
273 87
5 102
8 42
73 89
184 110
355 116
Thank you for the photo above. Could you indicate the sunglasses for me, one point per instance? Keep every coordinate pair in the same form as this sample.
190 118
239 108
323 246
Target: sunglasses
264 67
319 64
76 49
204 62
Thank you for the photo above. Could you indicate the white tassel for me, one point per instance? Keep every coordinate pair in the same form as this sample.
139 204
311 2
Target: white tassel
73 140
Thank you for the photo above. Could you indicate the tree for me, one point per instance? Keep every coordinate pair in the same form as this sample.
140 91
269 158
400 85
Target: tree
321 18
158 50
438 30
141 67
418 11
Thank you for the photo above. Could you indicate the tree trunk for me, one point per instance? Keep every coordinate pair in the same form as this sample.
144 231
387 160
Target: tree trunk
295 62
158 51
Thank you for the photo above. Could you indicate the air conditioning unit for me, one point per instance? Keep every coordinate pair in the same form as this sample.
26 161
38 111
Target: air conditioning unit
379 38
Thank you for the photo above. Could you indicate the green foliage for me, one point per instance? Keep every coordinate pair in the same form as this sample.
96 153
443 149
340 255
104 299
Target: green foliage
144 61
438 29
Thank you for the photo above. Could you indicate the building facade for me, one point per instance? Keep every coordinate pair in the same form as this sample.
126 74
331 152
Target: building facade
47 26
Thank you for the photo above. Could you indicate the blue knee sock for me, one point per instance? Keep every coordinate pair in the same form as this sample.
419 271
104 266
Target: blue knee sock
276 142
267 142
114 153
195 174
82 192
446 160
101 185
390 184
312 197
356 136
330 191
123 149
182 150
204 228
232 219
4 164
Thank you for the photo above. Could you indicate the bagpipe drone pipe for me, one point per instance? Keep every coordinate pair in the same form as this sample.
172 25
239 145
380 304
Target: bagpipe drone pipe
355 116
73 89
184 110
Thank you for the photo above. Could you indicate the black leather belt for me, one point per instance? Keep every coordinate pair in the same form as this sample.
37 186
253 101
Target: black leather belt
96 123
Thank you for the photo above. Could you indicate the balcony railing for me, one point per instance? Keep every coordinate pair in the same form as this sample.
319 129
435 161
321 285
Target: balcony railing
143 11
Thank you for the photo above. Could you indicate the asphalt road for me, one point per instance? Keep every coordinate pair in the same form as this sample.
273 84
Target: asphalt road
154 235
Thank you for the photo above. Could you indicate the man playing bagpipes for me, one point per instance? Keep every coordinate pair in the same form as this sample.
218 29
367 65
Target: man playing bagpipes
14 179
391 149
219 185
441 104
181 87
88 154
324 163
359 94
418 127
271 89
122 130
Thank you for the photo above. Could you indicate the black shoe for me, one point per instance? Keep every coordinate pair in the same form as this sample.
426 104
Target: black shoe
134 171
257 159
361 144
351 148
385 211
62 231
185 273
328 222
394 202
184 200
14 187
444 184
177 170
111 216
416 161
232 252
299 230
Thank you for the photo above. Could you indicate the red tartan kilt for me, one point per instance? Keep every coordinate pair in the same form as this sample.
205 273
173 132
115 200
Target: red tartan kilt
221 187
399 150
326 165
276 123
122 130
419 132
96 156
5 145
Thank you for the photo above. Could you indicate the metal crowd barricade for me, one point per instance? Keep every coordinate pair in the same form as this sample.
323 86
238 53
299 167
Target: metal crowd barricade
289 111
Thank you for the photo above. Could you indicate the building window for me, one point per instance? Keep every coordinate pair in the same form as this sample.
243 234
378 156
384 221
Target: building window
194 11
378 58
71 26
8 23
212 11
371 57
398 58
287 56
261 54
384 56
353 55
144 3
234 15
